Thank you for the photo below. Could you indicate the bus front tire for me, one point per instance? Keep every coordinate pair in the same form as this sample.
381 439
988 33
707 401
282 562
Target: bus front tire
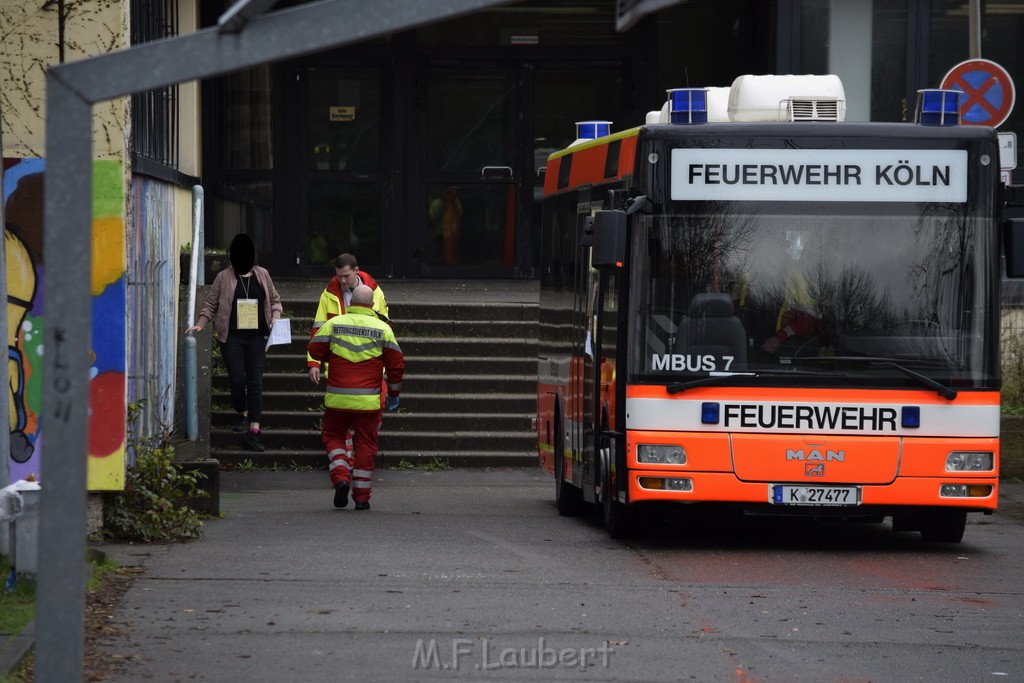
614 514
944 527
568 498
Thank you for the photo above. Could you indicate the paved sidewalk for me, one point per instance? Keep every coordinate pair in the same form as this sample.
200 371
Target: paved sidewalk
1011 501
272 538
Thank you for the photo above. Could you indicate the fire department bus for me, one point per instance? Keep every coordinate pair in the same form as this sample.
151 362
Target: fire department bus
797 316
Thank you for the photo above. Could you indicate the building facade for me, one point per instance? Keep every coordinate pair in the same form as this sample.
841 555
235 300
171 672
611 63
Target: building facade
423 153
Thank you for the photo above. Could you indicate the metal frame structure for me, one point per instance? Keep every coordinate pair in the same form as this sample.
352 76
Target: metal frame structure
244 37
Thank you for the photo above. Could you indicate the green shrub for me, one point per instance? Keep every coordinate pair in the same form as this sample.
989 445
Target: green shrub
151 506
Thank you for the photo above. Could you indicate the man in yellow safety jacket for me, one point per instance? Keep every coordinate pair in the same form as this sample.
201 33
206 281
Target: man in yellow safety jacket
338 293
358 348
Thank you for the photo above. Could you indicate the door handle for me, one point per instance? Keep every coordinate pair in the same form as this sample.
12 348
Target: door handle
504 172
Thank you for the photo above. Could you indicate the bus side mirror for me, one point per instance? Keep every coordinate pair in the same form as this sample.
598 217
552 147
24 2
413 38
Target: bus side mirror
609 239
1013 246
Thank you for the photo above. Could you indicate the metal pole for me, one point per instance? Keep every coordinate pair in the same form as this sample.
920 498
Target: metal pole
67 255
196 262
190 359
974 22
5 404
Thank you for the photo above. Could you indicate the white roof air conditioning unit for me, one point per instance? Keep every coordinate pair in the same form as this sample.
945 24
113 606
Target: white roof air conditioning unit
787 98
812 109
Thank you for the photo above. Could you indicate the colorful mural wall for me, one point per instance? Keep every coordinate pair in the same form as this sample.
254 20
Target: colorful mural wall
26 314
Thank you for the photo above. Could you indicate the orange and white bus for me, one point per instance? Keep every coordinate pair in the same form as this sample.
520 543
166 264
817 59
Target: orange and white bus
797 316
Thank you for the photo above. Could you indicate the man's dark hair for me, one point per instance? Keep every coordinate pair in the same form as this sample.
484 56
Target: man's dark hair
345 260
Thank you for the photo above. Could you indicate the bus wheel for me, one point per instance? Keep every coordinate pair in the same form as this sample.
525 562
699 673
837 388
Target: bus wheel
613 513
568 498
946 526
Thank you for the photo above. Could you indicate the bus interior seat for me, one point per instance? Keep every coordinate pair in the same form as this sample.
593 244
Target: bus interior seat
660 329
711 327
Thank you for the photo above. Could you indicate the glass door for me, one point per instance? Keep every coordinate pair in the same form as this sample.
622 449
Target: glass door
343 166
469 213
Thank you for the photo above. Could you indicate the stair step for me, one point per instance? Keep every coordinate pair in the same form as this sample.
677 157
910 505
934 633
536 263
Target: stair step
412 401
395 422
468 347
431 364
309 439
488 327
399 313
284 381
288 459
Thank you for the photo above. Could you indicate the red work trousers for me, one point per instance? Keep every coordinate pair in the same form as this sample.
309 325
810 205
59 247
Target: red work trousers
351 462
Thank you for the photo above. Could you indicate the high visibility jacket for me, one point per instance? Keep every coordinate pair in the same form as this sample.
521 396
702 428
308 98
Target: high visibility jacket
358 346
332 303
799 315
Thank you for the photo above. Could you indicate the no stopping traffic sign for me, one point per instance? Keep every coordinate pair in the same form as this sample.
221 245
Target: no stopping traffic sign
988 92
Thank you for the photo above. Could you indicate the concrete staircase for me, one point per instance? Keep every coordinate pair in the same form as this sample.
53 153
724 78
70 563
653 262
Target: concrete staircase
468 395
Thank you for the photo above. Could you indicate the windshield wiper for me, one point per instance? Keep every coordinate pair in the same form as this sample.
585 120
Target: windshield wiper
943 391
712 378
718 377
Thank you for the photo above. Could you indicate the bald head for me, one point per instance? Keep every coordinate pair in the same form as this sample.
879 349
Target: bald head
362 296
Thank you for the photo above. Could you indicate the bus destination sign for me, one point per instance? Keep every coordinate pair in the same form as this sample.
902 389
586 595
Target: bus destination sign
819 175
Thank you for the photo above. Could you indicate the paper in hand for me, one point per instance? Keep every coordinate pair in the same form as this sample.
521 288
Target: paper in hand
280 333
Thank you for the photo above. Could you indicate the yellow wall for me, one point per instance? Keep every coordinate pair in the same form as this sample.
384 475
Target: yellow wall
29 46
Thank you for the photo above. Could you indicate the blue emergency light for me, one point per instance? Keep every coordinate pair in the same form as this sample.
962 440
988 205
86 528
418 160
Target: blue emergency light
911 417
688 105
591 130
710 413
938 107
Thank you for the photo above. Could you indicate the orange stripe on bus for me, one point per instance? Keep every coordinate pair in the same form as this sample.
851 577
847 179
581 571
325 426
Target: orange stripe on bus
588 165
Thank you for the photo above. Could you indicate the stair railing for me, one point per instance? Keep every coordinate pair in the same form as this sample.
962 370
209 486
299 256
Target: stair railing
196 275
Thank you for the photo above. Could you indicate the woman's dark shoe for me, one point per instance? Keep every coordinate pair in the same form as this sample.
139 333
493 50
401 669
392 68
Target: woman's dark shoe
254 441
242 425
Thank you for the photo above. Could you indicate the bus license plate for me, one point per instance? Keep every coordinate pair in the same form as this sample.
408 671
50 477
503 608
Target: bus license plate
784 494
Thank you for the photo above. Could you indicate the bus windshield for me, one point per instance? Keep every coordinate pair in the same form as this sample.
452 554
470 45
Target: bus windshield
867 295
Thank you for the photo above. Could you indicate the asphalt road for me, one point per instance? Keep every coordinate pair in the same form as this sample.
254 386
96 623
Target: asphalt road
472 574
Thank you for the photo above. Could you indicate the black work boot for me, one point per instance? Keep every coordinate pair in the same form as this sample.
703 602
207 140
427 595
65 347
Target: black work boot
363 505
341 495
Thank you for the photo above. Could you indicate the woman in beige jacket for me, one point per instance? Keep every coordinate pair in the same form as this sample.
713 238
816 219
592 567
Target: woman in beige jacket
243 305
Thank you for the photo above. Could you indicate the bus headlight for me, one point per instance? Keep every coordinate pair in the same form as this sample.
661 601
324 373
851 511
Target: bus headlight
660 454
965 490
970 461
666 484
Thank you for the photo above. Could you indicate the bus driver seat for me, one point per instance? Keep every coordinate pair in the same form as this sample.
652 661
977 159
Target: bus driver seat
711 327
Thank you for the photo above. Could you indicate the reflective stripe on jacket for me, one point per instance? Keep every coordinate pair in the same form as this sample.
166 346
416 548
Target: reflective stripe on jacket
358 346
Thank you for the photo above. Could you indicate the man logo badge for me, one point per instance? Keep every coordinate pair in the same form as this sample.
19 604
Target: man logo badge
814 469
